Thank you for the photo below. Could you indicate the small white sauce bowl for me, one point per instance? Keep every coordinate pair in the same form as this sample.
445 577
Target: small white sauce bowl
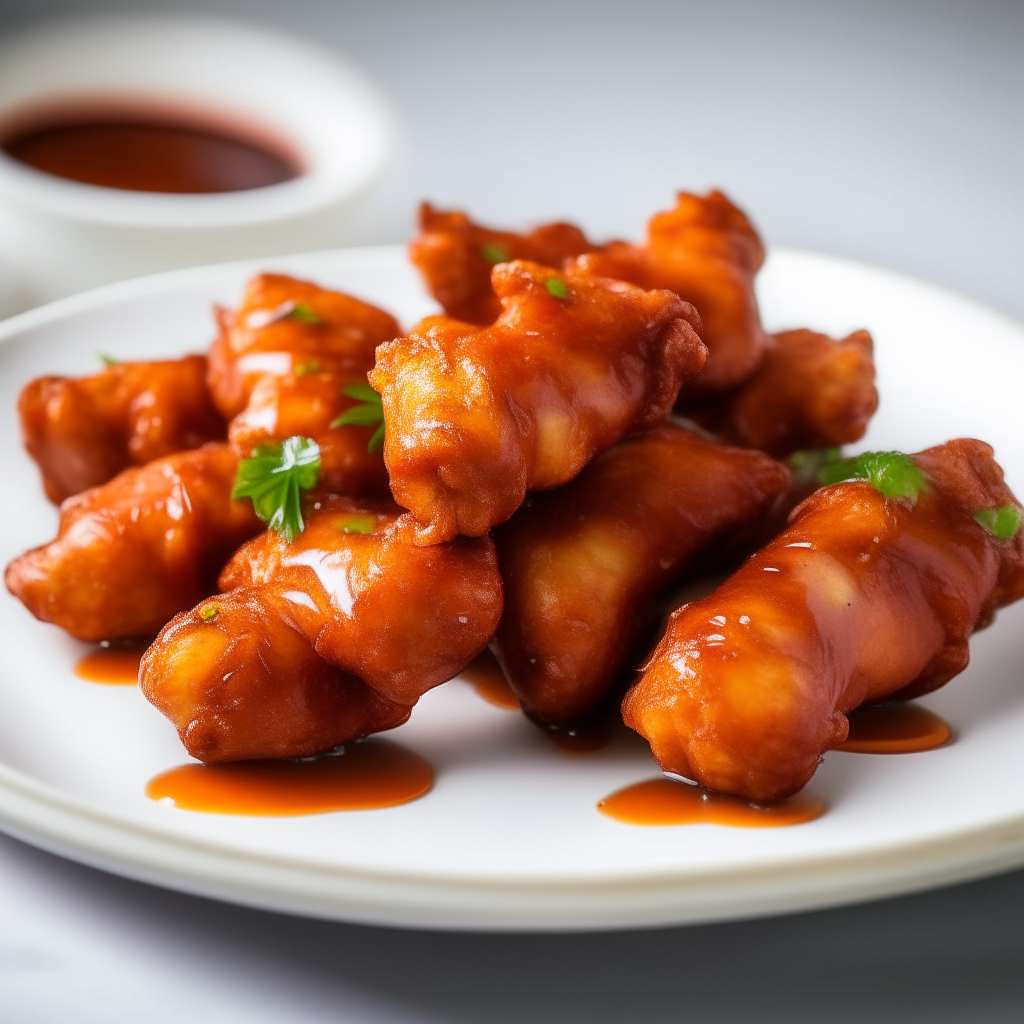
61 236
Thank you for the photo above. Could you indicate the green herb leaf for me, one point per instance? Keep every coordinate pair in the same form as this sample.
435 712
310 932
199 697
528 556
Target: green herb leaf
208 612
808 465
1001 522
273 479
494 253
369 412
310 366
304 314
362 392
357 524
557 287
107 360
892 474
377 440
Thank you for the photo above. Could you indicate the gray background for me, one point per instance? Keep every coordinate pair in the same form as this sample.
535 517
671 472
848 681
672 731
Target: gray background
885 131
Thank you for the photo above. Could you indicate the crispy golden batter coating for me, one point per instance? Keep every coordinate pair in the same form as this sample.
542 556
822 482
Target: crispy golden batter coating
352 592
707 252
248 684
84 431
137 550
808 392
455 257
584 565
477 417
861 598
279 368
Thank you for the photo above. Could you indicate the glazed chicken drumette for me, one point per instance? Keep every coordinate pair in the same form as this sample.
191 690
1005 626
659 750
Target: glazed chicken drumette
323 639
870 593
477 417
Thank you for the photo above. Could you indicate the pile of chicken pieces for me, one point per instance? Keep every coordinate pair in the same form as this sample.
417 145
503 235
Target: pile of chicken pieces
585 429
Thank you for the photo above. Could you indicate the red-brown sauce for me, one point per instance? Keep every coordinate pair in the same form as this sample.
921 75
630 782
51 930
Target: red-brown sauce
373 774
149 155
117 666
895 729
486 677
664 802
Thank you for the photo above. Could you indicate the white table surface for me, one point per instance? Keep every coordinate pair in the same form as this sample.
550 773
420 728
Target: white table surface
884 131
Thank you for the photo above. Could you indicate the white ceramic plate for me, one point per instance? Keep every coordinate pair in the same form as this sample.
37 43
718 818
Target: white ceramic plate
509 837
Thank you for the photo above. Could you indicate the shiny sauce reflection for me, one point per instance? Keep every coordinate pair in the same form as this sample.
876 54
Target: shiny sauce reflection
895 729
116 666
665 802
365 776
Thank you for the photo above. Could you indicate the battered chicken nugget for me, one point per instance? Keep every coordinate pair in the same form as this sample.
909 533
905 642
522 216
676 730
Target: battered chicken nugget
137 550
282 364
286 326
84 431
707 252
477 417
243 682
584 565
862 598
455 257
353 593
808 392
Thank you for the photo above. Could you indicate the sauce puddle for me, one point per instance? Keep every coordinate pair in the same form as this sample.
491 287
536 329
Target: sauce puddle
116 666
486 677
367 775
895 729
664 802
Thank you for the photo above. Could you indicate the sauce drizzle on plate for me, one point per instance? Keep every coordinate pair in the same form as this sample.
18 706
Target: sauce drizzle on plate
665 802
895 729
115 666
365 776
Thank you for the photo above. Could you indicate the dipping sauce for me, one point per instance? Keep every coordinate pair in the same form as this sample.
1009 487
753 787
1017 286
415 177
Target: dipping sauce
664 802
142 155
895 729
117 666
486 677
367 775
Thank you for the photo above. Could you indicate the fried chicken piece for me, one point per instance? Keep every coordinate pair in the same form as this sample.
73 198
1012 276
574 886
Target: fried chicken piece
808 392
135 551
248 684
84 431
584 565
707 252
455 257
862 598
383 618
280 366
477 417
285 325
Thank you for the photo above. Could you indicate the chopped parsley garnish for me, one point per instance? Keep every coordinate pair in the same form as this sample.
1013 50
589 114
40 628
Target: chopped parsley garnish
208 612
1001 522
107 360
357 524
304 314
366 414
310 366
557 287
808 465
892 474
494 253
273 478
